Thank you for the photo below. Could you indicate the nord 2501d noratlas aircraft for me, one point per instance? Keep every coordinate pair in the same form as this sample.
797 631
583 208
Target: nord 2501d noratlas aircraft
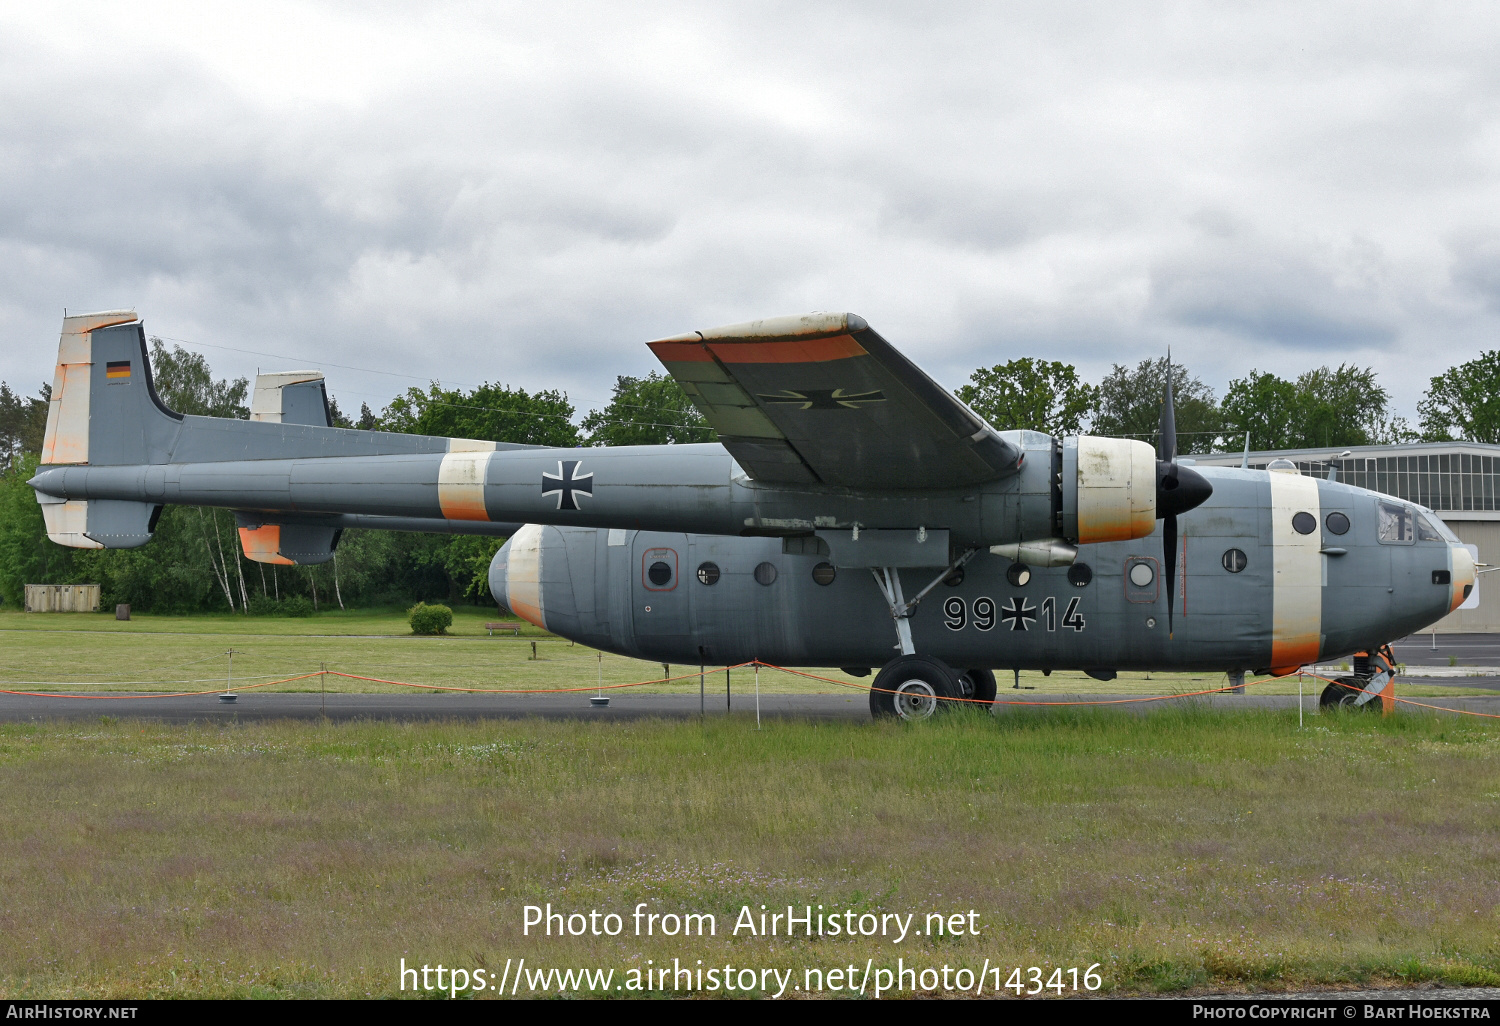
853 513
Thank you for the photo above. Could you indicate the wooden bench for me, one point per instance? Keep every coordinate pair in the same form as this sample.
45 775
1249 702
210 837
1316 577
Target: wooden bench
513 628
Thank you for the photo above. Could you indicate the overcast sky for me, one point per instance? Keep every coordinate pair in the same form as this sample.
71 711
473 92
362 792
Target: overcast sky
526 193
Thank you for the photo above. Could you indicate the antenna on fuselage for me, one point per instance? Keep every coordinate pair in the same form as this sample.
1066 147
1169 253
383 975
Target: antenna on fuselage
1245 459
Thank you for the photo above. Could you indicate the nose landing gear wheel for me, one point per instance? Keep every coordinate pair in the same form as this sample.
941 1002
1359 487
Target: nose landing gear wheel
1339 696
913 688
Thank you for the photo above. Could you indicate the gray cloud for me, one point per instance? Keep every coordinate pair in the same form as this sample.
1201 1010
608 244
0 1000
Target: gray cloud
526 195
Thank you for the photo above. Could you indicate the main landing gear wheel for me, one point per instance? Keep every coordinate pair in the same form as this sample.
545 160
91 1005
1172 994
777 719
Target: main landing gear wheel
1338 696
913 688
979 686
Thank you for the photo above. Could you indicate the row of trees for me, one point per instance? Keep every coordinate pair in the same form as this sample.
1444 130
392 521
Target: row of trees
1332 407
194 563
1324 407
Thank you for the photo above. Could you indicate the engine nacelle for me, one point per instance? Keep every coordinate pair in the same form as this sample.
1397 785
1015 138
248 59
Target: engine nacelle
1108 489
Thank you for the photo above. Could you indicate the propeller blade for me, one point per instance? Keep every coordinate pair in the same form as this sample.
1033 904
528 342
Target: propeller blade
1178 489
1168 447
1169 562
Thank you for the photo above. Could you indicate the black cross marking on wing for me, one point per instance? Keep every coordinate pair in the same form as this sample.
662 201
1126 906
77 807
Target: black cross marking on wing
1019 612
567 484
824 399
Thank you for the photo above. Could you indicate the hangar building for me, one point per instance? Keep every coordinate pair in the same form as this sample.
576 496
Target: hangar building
1460 481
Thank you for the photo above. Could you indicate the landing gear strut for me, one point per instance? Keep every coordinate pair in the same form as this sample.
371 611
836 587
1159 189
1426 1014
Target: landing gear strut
1370 687
888 578
911 686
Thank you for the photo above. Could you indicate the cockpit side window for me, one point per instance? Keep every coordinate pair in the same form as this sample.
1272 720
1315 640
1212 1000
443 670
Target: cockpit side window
1427 530
1395 524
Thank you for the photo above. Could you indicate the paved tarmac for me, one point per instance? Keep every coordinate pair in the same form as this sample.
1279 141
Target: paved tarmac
1466 649
852 707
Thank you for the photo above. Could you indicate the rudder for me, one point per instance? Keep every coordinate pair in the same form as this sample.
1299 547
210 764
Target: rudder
103 412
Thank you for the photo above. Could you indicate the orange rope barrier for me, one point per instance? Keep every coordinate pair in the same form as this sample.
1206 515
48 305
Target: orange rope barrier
1407 701
541 691
171 694
735 666
1000 701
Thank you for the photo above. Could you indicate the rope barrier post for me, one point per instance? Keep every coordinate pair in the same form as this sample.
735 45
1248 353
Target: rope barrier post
229 695
757 694
323 688
599 701
728 699
1299 701
702 692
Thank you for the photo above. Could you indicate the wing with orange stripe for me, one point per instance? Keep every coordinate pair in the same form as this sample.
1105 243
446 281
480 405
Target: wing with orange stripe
823 399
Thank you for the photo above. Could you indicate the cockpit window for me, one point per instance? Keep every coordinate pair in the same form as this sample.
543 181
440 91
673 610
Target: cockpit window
1426 530
1395 524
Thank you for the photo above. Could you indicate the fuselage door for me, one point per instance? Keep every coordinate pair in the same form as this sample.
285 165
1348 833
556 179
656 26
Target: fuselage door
659 592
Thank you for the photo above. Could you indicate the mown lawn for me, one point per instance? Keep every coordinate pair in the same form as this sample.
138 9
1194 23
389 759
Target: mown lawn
94 652
1184 850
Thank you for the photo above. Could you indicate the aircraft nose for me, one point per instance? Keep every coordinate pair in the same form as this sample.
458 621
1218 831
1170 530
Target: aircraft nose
1179 489
1461 573
498 567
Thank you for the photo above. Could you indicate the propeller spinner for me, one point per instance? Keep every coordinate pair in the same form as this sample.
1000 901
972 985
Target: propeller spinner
1178 489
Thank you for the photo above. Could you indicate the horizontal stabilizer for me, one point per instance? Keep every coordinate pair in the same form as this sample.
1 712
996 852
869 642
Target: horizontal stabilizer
286 544
98 523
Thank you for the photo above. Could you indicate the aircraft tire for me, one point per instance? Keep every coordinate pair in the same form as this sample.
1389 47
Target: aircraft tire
913 688
1337 696
977 684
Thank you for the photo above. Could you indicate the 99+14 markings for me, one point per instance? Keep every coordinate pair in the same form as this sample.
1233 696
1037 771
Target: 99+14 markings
1019 613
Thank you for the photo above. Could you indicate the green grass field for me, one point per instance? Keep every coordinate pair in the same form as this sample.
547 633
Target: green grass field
59 651
1186 851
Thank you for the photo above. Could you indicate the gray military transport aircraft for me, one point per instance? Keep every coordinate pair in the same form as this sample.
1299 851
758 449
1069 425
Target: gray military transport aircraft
853 514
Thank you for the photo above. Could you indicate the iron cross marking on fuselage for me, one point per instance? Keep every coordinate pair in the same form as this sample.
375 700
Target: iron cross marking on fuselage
1019 612
567 484
824 399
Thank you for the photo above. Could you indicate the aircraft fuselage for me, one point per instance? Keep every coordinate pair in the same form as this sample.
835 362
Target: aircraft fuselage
1253 591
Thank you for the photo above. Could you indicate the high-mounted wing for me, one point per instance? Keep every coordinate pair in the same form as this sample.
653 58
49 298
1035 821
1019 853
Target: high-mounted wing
823 399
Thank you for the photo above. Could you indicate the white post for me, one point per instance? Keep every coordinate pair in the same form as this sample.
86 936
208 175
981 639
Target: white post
1299 701
757 696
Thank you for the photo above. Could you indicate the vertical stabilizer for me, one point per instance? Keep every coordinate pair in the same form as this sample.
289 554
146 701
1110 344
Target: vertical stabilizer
104 412
67 437
291 397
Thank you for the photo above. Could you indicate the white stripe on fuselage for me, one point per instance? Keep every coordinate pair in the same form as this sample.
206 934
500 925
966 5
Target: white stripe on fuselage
1297 580
523 575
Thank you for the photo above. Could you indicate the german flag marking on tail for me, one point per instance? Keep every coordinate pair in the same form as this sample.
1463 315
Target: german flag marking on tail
117 369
